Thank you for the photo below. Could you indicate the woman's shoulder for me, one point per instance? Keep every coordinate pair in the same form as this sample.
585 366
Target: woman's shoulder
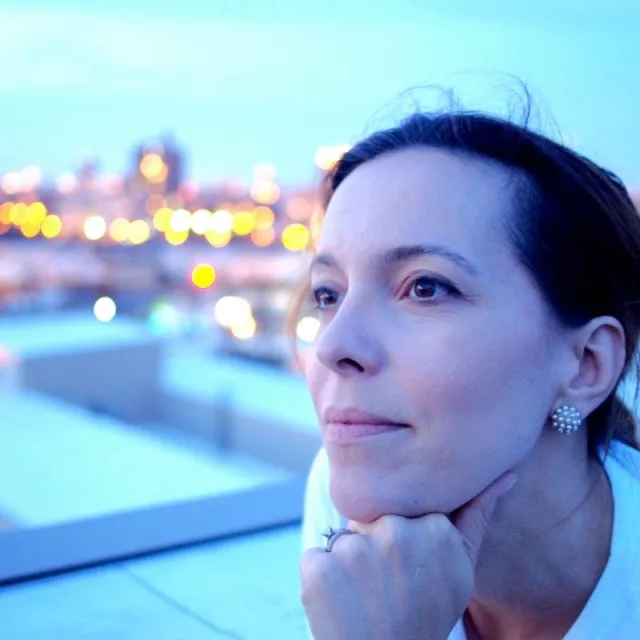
623 571
626 457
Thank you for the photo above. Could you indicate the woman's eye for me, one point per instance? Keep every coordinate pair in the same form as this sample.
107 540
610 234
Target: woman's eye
324 297
427 288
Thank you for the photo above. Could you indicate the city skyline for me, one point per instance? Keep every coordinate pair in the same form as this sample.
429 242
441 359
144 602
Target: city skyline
243 85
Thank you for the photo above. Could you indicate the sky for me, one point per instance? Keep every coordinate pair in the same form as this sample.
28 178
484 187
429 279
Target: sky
239 83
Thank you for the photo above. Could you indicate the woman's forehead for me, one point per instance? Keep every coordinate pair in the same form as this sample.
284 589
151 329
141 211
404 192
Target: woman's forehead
417 196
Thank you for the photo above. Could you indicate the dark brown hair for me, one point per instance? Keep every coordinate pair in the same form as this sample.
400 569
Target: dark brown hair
573 226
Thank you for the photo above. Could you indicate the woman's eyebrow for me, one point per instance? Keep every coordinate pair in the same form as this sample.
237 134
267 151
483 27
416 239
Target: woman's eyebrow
408 252
404 253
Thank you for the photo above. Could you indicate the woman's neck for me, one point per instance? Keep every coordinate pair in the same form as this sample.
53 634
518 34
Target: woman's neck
546 548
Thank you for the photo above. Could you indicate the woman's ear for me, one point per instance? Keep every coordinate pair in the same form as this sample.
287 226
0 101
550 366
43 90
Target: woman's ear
599 347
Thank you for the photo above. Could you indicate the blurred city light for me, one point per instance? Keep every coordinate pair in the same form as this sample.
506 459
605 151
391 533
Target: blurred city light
119 229
295 237
95 227
264 217
51 226
203 276
243 223
165 319
176 237
230 311
221 221
307 329
139 232
180 221
161 218
265 192
218 240
104 309
327 157
244 330
263 237
201 221
299 209
153 168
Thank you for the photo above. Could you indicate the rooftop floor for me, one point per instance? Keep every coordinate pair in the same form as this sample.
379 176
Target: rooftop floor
243 588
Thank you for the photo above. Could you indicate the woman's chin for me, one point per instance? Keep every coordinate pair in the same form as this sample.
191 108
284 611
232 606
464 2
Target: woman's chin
368 503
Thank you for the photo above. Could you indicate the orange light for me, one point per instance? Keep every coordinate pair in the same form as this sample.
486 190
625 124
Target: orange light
263 237
264 217
299 208
154 202
18 213
153 168
203 276
5 212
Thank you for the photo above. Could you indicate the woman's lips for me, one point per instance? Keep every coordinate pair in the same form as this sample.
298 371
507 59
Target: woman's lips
342 433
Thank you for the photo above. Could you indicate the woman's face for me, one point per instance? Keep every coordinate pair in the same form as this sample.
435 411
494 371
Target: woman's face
427 320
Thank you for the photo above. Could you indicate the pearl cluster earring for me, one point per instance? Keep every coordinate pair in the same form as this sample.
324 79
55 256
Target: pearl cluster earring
566 419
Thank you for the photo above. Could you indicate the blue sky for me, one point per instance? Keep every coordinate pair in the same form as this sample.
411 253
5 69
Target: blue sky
244 82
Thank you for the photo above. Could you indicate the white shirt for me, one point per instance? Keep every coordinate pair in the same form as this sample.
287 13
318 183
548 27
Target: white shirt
613 610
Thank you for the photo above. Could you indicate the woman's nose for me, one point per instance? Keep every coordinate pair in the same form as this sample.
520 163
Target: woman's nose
348 345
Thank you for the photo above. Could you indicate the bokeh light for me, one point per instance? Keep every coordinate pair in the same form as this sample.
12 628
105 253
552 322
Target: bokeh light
161 218
232 310
265 192
327 157
221 221
307 329
95 227
153 168
243 223
51 226
139 232
105 309
119 229
176 237
180 221
203 276
36 213
201 221
18 213
263 237
295 237
264 217
244 330
218 240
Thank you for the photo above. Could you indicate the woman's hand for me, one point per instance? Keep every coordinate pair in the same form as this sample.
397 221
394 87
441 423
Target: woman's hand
399 578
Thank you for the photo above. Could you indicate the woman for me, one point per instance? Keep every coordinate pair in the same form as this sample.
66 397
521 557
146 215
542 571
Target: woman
478 287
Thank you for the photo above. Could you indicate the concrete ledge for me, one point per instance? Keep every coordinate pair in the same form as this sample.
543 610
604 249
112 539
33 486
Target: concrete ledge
112 369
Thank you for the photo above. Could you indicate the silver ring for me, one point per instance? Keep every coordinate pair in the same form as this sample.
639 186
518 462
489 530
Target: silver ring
332 535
